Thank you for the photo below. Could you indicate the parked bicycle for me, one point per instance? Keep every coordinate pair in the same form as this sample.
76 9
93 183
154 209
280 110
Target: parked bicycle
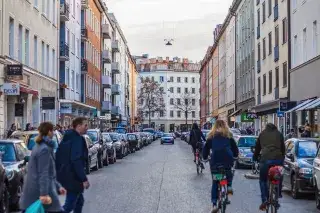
221 178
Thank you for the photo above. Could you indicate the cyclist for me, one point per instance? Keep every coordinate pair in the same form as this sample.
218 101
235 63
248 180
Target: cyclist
224 150
270 144
195 140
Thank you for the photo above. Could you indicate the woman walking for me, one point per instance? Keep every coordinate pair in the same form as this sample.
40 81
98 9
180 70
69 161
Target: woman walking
40 182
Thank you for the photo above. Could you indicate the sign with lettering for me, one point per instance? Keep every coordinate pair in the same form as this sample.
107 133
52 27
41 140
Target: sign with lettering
15 70
11 88
48 103
66 108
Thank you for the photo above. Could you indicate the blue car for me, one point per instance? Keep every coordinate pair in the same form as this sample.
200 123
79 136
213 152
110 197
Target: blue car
245 142
167 138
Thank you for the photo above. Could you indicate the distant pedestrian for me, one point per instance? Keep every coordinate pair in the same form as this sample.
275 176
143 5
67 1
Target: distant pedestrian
28 127
71 157
11 130
40 182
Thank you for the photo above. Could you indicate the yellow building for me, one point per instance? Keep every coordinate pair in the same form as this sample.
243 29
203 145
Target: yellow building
133 74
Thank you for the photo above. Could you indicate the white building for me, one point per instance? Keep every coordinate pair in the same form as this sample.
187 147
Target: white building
272 60
175 84
32 42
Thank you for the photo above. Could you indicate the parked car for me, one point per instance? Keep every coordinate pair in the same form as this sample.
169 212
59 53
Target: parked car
93 150
152 131
133 142
4 192
120 147
124 140
149 137
167 138
140 141
298 165
159 134
235 133
245 142
96 136
144 138
15 156
28 137
111 148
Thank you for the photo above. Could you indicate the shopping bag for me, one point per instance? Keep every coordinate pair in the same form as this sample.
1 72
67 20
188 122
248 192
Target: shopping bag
36 207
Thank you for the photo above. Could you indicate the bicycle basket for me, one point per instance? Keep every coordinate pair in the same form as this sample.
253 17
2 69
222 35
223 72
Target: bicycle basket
218 177
275 173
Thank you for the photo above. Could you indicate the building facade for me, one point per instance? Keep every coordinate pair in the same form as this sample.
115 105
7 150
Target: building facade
28 64
133 76
215 81
204 88
222 73
272 60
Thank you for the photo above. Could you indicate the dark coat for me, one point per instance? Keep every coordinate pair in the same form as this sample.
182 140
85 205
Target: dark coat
195 136
71 157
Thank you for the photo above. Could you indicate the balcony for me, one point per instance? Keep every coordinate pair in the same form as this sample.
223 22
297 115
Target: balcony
84 33
276 12
105 31
106 106
276 93
115 89
84 4
106 56
276 53
258 66
106 81
64 12
115 110
258 32
115 67
64 51
115 46
258 99
84 66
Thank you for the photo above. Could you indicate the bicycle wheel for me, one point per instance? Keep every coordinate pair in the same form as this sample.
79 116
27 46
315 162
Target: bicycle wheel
223 200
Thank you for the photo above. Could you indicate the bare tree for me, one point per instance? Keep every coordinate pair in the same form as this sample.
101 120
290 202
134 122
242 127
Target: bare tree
186 102
150 98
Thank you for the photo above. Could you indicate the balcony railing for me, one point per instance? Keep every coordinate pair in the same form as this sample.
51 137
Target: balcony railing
64 51
258 99
276 53
115 67
84 4
115 89
115 45
276 12
84 33
105 31
106 106
106 81
258 32
64 11
115 110
106 56
84 65
276 93
258 66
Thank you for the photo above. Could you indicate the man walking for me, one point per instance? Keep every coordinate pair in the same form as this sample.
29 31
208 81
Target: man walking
71 156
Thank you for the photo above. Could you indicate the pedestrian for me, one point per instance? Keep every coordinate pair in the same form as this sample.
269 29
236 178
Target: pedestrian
40 182
28 127
11 130
71 157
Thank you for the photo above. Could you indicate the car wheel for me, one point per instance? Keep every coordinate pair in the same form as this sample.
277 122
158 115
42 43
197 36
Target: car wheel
121 153
16 205
237 165
88 163
4 204
106 160
96 167
294 188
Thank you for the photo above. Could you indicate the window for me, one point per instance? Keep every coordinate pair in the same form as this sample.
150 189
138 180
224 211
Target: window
294 5
178 114
258 17
264 48
54 75
11 37
179 79
35 52
54 12
73 43
185 90
20 44
26 47
43 6
259 52
270 81
68 83
277 77
42 57
285 74
161 89
193 114
193 102
48 9
152 78
259 86
304 44
269 7
171 79
48 60
284 30
315 38
276 34
161 114
36 3
178 101
171 89
295 50
161 79
263 12
72 80
270 43
171 101
178 90
193 90
78 82
264 84
186 79
171 113
186 102
193 80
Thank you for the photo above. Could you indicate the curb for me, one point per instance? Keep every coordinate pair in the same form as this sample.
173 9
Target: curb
251 176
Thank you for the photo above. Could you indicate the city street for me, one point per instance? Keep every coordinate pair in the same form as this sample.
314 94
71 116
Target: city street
163 179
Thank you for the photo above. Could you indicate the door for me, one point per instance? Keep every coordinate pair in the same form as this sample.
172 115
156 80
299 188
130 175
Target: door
287 165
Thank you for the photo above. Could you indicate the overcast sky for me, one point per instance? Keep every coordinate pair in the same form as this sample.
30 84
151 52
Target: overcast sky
146 23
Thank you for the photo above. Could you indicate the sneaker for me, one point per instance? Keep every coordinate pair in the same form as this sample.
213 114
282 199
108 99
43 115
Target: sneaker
263 206
230 190
228 201
215 209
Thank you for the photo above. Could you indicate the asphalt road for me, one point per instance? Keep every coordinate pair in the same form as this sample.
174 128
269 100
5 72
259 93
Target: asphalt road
163 179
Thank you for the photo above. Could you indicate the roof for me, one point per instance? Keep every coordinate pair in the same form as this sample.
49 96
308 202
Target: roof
247 136
25 132
304 139
11 141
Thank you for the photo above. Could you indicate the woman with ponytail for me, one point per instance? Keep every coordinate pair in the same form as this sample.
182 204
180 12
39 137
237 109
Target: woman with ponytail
40 182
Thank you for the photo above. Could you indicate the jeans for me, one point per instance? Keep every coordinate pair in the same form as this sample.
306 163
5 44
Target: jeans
74 202
214 189
263 180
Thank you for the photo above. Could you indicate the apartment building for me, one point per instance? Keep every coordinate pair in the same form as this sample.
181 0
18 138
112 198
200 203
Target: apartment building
272 60
28 65
222 73
133 76
204 88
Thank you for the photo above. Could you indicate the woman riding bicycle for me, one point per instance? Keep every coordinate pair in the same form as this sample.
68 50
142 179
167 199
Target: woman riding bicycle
195 139
224 150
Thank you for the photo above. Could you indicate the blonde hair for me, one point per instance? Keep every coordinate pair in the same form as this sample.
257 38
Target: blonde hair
221 127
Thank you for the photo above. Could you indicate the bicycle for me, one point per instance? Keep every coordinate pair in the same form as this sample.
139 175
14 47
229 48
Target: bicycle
255 167
198 161
221 179
274 181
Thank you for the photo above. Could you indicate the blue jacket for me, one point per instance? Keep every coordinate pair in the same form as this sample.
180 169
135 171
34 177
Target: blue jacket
223 151
71 157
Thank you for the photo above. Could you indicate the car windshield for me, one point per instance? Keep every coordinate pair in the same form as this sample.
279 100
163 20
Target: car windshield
131 137
149 130
107 137
235 131
114 136
93 135
307 149
167 135
7 151
247 141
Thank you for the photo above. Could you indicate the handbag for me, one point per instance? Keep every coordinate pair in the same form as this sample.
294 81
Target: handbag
36 207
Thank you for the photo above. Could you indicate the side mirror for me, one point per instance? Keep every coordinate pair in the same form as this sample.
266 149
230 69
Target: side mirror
26 159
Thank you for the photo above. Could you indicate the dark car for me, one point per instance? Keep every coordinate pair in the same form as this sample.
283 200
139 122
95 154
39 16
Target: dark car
245 142
96 137
111 148
167 138
133 141
14 155
93 149
125 141
120 148
4 193
298 165
152 131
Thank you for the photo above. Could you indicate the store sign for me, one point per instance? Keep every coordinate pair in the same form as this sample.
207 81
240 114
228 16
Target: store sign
283 106
248 117
48 103
280 114
66 108
15 71
11 88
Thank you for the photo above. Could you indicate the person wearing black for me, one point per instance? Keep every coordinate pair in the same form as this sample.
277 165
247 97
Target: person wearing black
195 139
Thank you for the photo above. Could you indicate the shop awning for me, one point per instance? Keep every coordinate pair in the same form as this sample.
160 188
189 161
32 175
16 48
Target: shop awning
77 103
299 106
235 113
315 104
28 91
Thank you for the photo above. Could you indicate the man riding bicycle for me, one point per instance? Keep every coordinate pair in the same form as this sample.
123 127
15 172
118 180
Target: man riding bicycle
195 140
270 144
